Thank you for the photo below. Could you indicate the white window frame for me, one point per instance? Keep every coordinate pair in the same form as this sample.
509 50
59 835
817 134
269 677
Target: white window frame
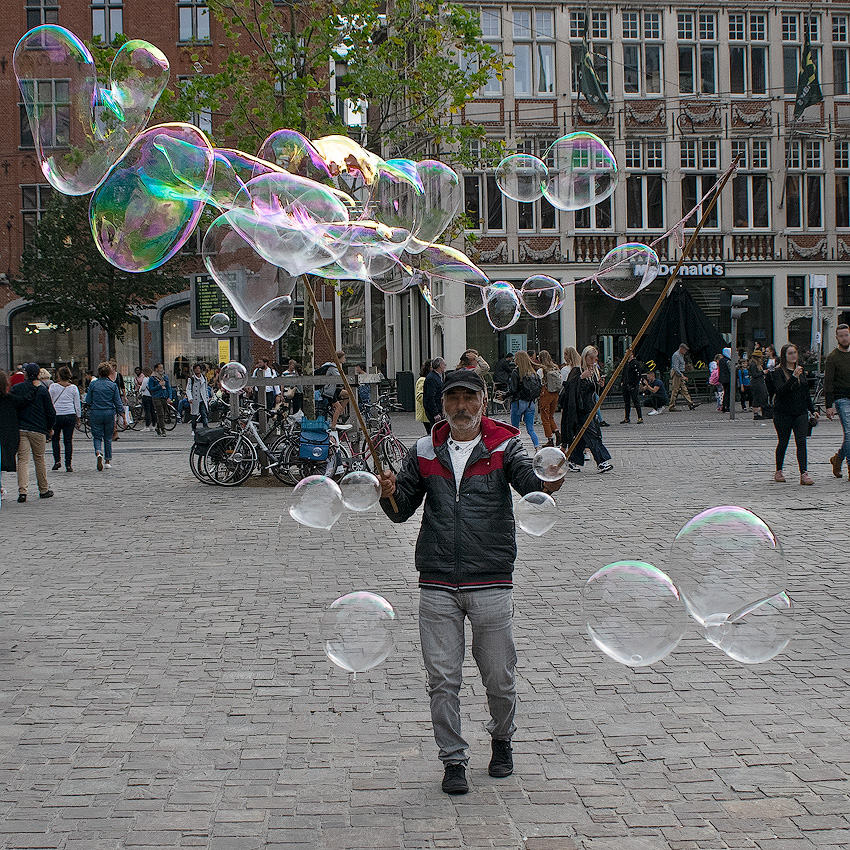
199 18
540 47
695 39
637 47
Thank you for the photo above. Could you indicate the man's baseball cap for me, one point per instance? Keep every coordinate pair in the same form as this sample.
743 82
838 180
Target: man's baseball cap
469 379
31 370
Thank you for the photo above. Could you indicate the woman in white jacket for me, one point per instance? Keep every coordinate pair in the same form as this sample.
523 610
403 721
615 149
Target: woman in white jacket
198 395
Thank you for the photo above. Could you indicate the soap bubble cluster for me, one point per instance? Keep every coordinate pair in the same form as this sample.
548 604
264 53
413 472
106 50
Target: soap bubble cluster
318 501
326 207
726 570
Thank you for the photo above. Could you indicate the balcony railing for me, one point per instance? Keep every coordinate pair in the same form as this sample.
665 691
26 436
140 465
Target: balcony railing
753 246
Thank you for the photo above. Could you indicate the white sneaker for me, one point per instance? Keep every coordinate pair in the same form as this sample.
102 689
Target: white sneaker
573 467
107 465
605 466
652 413
661 409
99 462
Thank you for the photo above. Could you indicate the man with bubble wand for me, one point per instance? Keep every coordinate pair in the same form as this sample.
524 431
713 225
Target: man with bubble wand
465 554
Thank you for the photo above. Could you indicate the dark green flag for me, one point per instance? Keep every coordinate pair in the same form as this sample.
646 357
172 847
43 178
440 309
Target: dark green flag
589 83
808 87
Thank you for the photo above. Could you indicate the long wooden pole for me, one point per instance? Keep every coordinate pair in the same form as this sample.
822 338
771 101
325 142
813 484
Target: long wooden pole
352 397
652 313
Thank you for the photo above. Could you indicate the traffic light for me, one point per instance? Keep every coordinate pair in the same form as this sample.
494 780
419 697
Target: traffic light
738 309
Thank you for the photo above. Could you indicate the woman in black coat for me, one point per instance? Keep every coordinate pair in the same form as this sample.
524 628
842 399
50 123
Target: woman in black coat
9 432
792 407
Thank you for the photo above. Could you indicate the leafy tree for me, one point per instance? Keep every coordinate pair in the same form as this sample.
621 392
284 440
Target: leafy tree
70 284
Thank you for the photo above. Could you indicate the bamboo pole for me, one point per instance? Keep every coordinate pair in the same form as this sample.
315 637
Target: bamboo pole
652 313
352 397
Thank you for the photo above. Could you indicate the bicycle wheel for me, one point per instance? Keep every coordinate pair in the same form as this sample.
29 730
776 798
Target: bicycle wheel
392 452
230 460
286 464
137 416
170 417
197 461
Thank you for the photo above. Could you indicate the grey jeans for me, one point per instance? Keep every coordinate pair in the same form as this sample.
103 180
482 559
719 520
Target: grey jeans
441 630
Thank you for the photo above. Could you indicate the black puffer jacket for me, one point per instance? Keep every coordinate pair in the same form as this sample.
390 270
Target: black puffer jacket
37 414
468 538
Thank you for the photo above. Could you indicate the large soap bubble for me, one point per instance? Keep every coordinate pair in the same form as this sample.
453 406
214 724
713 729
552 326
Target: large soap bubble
361 491
273 319
220 323
627 269
233 377
536 513
582 172
443 197
446 298
725 559
501 302
756 633
152 198
550 464
541 295
296 154
397 199
358 631
633 612
522 177
79 128
316 502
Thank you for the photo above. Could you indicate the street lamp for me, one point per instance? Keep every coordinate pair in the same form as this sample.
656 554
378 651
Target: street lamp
738 310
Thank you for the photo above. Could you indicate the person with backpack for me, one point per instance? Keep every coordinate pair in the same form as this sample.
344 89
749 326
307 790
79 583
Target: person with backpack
524 390
583 387
550 378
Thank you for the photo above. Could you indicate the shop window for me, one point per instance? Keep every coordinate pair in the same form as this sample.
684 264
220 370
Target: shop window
796 288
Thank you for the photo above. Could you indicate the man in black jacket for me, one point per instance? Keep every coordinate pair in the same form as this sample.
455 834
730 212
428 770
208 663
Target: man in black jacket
631 388
465 554
432 392
35 422
502 372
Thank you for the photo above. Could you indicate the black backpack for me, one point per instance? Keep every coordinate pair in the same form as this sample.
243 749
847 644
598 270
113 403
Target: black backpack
323 369
529 388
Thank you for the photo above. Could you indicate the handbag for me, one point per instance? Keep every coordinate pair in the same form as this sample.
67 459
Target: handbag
813 421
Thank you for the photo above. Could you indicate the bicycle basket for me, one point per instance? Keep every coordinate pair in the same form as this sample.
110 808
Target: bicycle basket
315 441
207 436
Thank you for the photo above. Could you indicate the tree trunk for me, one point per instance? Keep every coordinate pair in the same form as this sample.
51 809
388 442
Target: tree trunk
308 349
110 344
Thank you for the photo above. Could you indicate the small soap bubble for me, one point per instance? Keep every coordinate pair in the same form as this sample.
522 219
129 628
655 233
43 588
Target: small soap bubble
582 172
541 295
219 323
725 559
550 464
361 491
273 319
627 269
756 633
536 513
233 377
317 502
358 631
633 612
522 177
502 305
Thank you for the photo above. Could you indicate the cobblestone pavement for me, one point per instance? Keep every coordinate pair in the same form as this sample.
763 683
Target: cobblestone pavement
162 681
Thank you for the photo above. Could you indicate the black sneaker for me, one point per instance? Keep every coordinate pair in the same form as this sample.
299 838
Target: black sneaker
502 762
22 497
56 466
604 424
454 779
47 494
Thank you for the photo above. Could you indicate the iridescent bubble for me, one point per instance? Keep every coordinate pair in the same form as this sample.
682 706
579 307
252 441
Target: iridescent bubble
343 155
248 281
757 632
358 631
232 171
233 377
627 269
443 197
536 513
541 295
79 128
550 464
582 172
273 319
633 612
725 559
152 198
361 491
447 298
296 154
522 177
219 323
446 263
501 303
397 199
316 502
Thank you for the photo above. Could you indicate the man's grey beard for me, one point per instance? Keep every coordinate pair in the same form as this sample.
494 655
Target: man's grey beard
471 423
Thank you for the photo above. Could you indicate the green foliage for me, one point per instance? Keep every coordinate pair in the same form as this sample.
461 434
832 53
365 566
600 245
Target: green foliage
70 284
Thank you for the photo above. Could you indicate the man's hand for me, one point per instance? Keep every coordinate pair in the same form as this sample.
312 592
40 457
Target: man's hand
552 486
685 378
387 480
830 413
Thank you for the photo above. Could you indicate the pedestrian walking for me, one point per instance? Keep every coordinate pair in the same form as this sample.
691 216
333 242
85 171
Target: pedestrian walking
103 400
724 375
465 554
44 378
421 415
758 385
147 399
678 378
568 399
10 434
632 373
586 383
793 408
271 394
524 390
744 381
550 379
197 392
65 396
160 389
837 390
432 393
35 424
